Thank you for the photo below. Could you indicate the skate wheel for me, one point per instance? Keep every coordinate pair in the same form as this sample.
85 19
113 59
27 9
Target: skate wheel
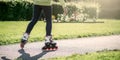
51 49
22 45
54 49
47 49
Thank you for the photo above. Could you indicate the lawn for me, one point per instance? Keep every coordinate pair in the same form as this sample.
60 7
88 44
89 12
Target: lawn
105 55
12 31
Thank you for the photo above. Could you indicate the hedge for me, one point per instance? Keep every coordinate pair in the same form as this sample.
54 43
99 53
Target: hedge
15 10
21 10
57 9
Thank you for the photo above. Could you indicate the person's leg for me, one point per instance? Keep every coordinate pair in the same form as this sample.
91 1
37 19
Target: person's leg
36 13
48 15
49 43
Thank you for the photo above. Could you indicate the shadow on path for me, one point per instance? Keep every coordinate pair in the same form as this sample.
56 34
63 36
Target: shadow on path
26 56
4 58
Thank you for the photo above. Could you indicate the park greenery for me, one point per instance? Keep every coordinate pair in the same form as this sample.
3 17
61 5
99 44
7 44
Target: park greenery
22 10
12 31
103 55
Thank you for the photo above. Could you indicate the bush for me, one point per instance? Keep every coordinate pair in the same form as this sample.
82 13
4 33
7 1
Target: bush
21 10
76 13
15 10
57 9
71 9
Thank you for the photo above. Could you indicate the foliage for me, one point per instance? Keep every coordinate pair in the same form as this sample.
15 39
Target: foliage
71 9
79 12
21 10
15 10
57 9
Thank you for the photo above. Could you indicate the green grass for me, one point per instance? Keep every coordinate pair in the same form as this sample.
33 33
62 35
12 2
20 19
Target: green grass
12 31
105 55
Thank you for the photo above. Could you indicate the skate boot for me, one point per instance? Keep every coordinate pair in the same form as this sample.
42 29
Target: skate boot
50 45
24 40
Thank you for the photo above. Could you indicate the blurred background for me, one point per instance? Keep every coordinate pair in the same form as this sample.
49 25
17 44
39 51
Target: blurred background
22 9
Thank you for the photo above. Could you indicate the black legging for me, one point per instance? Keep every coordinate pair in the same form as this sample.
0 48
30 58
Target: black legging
36 13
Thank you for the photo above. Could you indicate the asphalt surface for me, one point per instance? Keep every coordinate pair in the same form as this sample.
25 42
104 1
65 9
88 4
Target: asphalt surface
67 47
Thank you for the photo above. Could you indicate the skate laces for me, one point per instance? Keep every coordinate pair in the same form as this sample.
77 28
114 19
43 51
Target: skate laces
25 36
48 39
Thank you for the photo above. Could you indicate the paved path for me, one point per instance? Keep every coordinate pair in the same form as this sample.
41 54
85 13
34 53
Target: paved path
32 51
